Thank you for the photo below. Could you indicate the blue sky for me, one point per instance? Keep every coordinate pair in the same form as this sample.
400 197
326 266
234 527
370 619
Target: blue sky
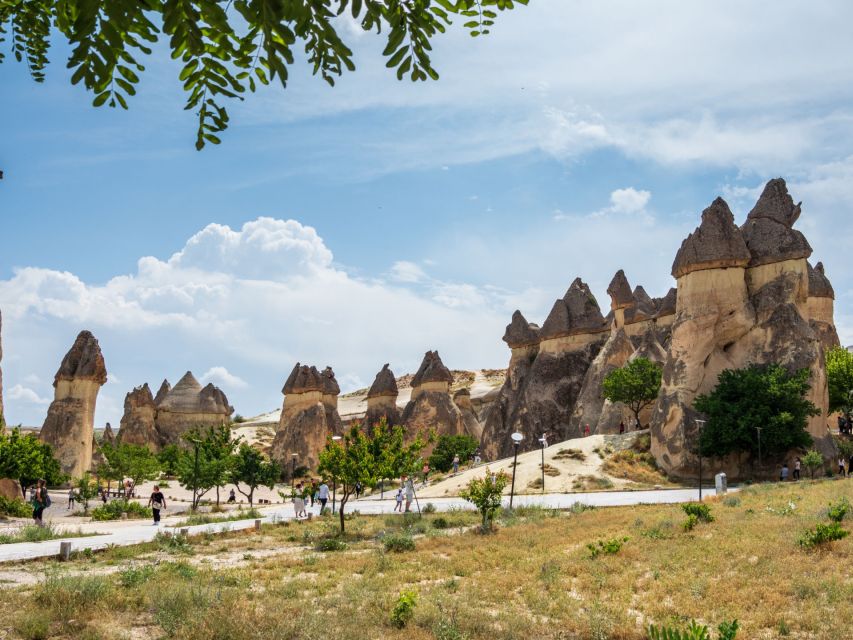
578 138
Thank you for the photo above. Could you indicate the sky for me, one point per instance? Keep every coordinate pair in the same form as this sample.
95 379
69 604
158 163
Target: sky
369 222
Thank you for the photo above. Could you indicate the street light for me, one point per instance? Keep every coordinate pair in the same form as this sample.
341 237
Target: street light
516 440
293 457
699 425
334 481
544 442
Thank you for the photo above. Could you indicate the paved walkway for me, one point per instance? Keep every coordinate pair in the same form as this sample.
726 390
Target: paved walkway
125 533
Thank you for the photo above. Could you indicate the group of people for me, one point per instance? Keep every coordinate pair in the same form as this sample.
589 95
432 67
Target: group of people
315 493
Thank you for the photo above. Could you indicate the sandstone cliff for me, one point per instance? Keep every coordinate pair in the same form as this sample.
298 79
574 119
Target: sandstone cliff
138 424
188 405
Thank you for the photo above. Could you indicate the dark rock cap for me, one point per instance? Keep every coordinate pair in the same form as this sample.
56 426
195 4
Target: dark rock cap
140 397
819 284
666 306
432 369
330 385
620 291
83 362
767 230
303 379
164 390
716 243
643 309
576 313
385 384
520 333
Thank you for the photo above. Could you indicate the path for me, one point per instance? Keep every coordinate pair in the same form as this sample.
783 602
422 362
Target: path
126 533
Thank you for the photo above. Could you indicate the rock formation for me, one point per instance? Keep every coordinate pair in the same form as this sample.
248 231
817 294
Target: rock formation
188 405
382 399
743 298
309 415
70 424
820 306
108 437
462 400
138 424
162 392
431 408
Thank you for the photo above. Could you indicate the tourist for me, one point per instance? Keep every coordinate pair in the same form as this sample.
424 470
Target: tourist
156 501
494 478
232 497
399 499
425 472
410 493
41 501
358 489
797 466
313 493
72 495
622 427
477 459
841 466
586 431
103 494
298 501
456 463
323 494
783 475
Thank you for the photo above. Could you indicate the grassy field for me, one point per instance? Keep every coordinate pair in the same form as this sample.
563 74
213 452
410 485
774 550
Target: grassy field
535 577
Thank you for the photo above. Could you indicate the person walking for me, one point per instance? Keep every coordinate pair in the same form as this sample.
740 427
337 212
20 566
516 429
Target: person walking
41 501
312 493
71 498
399 499
232 497
299 501
425 472
358 489
157 502
456 464
797 466
783 475
586 431
410 493
841 466
323 494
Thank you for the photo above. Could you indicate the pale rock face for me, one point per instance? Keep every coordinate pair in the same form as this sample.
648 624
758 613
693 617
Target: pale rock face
70 424
591 407
138 424
382 399
820 307
109 436
729 316
462 400
10 489
309 416
186 406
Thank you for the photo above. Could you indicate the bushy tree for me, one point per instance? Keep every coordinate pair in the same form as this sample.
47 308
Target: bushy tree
132 461
447 446
168 457
27 459
86 489
812 461
635 385
367 457
251 468
226 48
206 462
485 493
839 375
765 396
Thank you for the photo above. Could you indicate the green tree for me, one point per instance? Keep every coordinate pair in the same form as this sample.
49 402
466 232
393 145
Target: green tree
485 493
251 468
448 446
813 461
86 489
206 462
635 385
132 461
839 375
367 457
764 396
27 459
168 457
227 48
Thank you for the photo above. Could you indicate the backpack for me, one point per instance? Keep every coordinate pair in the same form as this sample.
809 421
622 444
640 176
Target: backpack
47 500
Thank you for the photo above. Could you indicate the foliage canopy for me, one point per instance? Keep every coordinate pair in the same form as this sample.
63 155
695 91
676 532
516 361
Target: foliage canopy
839 374
448 446
636 385
27 459
228 48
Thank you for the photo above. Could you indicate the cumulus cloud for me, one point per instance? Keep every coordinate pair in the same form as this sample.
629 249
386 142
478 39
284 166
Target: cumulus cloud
629 200
20 393
404 271
221 376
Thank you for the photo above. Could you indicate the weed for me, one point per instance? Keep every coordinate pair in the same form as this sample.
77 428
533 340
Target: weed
404 609
549 573
440 523
398 542
176 544
429 507
331 544
135 576
838 510
692 521
610 547
822 534
114 510
699 509
32 625
731 501
570 454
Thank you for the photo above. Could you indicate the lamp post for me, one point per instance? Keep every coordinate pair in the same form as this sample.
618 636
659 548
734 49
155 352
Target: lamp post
758 430
516 440
544 442
334 481
293 457
699 425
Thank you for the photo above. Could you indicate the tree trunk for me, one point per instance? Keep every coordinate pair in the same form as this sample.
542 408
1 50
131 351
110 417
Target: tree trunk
217 495
341 511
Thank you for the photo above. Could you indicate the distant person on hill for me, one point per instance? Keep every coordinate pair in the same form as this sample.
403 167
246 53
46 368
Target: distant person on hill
797 466
232 497
841 466
399 499
323 494
456 463
783 475
586 430
157 501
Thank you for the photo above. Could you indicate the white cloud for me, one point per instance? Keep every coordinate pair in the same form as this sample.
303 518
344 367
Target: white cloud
20 393
629 200
221 376
404 271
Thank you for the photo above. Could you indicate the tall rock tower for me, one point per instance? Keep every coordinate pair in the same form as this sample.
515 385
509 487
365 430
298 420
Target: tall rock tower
70 424
382 399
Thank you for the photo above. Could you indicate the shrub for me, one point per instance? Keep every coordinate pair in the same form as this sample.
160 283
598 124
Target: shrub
700 510
812 461
68 597
691 522
135 576
485 494
838 510
404 609
731 501
429 507
331 544
173 544
610 547
822 534
694 631
114 509
15 508
440 523
448 446
32 625
398 542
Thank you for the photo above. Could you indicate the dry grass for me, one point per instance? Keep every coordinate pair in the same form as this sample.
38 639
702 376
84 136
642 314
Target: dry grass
635 466
534 578
591 483
570 454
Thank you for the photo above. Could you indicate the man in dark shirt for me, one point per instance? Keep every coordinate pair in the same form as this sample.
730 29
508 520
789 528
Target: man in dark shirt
157 501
